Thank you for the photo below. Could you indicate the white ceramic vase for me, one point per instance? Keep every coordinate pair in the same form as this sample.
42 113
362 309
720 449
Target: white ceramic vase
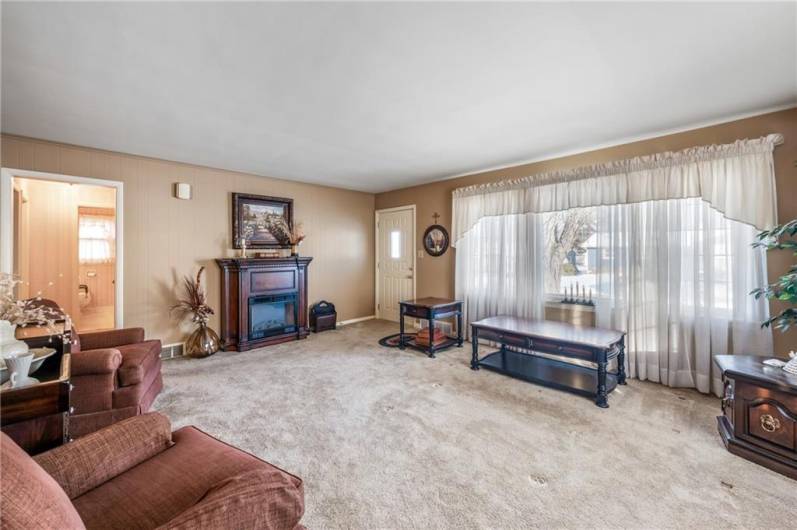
9 345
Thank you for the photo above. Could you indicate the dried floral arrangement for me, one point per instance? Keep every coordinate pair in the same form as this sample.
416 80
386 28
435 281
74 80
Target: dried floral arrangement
282 231
195 301
297 234
279 228
24 313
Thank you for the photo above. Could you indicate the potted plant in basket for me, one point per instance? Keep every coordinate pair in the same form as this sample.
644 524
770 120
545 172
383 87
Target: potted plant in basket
203 341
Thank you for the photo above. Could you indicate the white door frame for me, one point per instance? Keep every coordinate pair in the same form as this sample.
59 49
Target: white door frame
376 252
7 224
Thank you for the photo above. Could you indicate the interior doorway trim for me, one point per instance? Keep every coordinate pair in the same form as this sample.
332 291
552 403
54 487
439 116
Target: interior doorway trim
7 224
376 252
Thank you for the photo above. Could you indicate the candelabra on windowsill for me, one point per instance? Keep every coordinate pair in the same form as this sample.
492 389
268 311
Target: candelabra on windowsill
574 299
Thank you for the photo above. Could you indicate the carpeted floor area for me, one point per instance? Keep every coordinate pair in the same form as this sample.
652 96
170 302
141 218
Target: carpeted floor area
392 439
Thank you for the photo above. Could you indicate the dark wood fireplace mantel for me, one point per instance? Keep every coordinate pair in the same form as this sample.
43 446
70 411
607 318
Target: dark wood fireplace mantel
249 283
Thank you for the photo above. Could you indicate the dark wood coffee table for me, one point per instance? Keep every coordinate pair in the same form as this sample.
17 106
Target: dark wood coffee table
520 338
430 309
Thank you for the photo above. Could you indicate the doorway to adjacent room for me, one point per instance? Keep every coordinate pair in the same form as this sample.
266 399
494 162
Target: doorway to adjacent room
65 243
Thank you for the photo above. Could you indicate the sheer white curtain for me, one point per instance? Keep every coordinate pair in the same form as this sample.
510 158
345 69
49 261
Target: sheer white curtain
676 275
677 264
497 268
738 179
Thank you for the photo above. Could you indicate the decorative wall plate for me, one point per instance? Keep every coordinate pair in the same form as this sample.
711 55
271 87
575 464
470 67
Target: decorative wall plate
435 240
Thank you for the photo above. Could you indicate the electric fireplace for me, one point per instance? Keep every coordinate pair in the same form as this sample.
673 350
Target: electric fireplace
263 301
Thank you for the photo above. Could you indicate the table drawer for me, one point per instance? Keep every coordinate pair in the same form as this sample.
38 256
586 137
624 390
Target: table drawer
418 312
768 422
568 350
508 339
766 417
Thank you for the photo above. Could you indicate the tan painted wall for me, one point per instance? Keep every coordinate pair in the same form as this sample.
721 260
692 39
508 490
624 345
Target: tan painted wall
436 275
166 238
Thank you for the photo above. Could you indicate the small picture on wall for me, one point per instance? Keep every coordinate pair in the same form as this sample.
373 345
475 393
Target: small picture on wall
250 214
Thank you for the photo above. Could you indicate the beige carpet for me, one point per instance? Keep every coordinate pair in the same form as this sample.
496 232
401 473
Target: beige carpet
391 439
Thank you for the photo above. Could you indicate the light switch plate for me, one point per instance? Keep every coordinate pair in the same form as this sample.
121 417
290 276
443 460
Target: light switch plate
420 253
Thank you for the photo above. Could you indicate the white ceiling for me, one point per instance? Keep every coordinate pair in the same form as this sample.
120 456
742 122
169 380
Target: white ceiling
375 96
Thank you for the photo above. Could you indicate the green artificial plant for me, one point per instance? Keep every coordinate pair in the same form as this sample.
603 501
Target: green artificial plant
782 237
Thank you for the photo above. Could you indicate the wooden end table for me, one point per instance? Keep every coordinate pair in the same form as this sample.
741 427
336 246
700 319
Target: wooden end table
430 309
36 417
759 412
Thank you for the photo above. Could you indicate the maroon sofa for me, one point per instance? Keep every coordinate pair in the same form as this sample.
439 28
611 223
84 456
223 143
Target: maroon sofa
137 474
116 374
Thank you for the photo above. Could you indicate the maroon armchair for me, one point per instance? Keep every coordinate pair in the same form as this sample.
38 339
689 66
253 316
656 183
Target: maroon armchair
138 474
116 374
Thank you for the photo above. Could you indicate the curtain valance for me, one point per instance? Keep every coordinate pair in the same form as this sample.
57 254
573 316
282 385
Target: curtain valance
737 179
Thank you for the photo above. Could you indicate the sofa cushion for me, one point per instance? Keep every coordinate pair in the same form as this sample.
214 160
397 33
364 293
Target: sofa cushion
263 498
31 499
136 360
111 338
170 483
94 459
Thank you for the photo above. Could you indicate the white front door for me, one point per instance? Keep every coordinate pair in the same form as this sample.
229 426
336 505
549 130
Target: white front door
395 248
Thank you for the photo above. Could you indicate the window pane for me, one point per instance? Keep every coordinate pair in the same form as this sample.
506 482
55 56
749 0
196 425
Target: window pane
571 251
395 244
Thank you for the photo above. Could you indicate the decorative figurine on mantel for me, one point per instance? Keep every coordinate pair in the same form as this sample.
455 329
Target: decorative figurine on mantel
203 342
243 247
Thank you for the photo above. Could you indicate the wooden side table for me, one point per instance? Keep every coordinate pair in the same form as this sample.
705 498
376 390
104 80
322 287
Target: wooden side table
36 417
430 309
759 412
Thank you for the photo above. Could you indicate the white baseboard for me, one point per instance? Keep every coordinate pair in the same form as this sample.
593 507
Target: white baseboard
355 320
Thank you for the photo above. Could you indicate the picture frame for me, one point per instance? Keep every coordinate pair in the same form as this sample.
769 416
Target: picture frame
247 219
435 240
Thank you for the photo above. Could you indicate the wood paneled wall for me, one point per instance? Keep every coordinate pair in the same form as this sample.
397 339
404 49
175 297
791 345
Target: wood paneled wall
166 238
47 262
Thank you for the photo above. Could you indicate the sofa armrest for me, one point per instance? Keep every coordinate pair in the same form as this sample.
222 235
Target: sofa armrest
100 456
92 362
111 338
261 499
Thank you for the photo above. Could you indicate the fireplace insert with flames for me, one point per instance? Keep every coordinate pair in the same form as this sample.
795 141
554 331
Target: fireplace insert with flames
272 315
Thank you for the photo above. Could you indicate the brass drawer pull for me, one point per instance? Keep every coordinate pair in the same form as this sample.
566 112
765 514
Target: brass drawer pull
769 423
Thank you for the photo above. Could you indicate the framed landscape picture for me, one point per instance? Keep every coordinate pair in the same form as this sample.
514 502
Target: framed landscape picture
249 213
